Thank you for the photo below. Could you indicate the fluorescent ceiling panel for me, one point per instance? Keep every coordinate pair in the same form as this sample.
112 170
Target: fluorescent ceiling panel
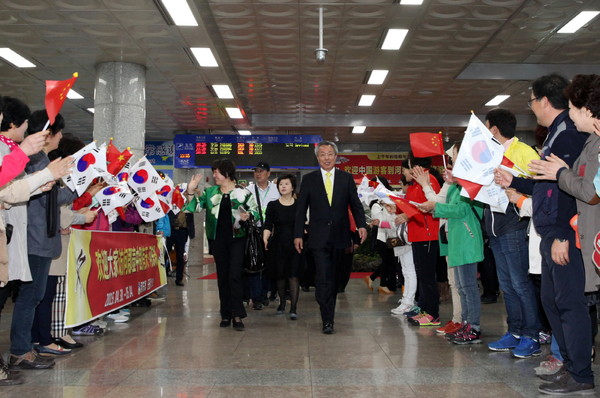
15 59
579 21
204 56
180 12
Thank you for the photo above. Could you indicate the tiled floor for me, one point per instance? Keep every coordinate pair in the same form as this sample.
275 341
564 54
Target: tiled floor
176 349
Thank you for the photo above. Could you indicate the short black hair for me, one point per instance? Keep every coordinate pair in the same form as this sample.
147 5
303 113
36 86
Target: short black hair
580 89
15 111
1 105
67 146
551 86
593 103
384 181
226 167
412 161
504 120
292 179
38 120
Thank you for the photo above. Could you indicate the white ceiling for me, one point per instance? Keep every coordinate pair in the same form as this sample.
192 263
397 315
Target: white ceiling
457 55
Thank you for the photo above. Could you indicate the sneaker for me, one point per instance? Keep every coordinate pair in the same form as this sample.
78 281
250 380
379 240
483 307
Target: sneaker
468 335
30 360
401 309
100 323
506 343
548 367
453 335
545 337
425 320
118 318
527 348
88 330
414 320
415 310
156 296
449 327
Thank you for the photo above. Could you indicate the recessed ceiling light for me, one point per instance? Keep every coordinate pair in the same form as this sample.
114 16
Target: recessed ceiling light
180 12
204 56
576 23
15 59
244 132
411 2
234 113
366 100
393 39
377 76
497 100
223 91
90 110
72 94
359 129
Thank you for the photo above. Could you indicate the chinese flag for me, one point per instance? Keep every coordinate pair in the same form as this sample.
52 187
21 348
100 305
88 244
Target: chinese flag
56 94
405 207
424 145
472 188
115 159
178 199
507 162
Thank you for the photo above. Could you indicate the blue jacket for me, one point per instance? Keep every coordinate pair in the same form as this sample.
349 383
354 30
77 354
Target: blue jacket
552 207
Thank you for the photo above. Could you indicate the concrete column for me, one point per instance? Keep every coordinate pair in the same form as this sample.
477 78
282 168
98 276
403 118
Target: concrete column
120 105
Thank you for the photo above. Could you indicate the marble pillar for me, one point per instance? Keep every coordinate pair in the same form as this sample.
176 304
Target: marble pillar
120 105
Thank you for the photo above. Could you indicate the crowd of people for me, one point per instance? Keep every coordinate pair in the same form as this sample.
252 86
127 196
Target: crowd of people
544 246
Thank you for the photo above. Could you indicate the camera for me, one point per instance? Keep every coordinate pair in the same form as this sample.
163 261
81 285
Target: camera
321 53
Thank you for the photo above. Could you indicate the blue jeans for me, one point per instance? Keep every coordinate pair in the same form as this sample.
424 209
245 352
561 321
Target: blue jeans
466 282
512 265
29 297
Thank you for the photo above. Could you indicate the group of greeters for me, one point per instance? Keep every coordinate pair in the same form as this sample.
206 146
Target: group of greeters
534 235
37 214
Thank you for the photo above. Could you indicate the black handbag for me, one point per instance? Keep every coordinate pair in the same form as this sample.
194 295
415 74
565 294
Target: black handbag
399 239
254 253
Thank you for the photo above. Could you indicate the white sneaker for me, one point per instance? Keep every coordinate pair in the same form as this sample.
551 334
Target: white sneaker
401 309
100 323
118 318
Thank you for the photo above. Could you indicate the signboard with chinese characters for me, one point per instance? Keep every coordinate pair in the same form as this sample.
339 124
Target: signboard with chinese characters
160 155
370 164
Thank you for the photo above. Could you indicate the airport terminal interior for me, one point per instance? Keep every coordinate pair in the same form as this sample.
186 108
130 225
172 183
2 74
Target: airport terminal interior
176 348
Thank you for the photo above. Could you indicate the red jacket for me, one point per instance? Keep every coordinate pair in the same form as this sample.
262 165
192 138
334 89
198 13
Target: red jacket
422 227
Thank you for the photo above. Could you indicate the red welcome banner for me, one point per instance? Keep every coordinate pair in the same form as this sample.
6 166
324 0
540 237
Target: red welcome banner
108 270
359 164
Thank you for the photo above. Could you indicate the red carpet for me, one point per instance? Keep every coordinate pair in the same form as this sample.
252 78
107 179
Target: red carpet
354 275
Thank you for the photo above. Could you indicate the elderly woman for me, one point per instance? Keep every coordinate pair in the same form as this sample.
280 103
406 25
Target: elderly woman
225 207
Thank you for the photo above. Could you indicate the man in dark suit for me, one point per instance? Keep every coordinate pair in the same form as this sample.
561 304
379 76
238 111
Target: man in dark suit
327 193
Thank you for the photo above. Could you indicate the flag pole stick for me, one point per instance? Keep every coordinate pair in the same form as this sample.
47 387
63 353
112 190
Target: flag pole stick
444 160
46 126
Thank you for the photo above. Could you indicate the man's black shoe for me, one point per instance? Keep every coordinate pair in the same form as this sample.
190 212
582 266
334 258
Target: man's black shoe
489 300
556 376
566 385
328 327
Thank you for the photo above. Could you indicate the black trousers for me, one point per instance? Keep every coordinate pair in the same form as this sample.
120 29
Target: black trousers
565 303
178 239
229 258
487 272
326 280
42 322
425 256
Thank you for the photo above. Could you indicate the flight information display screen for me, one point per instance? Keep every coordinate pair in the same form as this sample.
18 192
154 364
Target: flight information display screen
280 151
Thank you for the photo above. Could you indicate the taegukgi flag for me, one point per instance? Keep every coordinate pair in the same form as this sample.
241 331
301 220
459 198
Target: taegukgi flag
479 154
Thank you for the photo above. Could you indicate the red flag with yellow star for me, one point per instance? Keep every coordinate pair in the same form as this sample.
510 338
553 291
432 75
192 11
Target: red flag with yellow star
424 145
56 94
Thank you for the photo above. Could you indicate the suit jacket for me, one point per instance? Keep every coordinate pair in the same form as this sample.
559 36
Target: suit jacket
328 224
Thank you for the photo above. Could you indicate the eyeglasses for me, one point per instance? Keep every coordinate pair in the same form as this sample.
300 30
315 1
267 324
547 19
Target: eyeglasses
531 100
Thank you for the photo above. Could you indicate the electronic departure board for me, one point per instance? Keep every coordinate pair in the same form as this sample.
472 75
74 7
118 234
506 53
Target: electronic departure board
280 151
